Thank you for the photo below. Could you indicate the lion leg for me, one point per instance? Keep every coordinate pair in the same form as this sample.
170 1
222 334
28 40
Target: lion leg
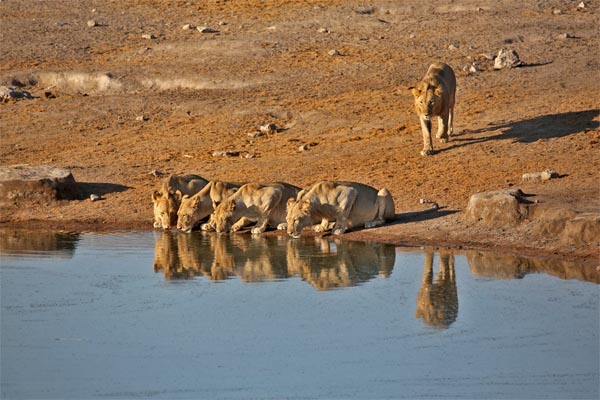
427 144
341 220
451 121
240 224
322 227
382 211
442 133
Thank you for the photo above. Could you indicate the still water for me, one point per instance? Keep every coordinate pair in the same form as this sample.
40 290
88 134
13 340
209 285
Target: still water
168 315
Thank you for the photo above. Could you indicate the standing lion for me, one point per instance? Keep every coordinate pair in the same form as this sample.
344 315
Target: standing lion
434 97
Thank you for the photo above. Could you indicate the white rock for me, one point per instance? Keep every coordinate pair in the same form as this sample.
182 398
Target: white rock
256 134
452 47
92 23
148 36
507 59
206 29
187 27
324 30
333 52
581 5
268 128
142 118
304 147
94 197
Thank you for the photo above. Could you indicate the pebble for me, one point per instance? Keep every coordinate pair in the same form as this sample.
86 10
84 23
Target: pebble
304 147
187 27
92 23
581 5
268 128
565 36
148 36
557 12
256 134
452 47
142 118
156 173
541 176
223 153
206 29
334 52
94 197
507 59
324 30
250 155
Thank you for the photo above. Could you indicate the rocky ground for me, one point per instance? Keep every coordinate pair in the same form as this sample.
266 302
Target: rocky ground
121 90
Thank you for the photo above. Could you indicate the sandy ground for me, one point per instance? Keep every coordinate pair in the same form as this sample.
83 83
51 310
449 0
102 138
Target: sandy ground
137 93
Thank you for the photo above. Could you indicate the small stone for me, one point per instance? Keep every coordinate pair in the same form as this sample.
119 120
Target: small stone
222 153
156 173
474 68
565 36
11 93
187 27
507 59
452 47
304 147
412 36
94 197
250 155
206 29
557 12
142 118
148 36
222 23
324 30
334 52
540 176
92 23
581 5
268 128
256 134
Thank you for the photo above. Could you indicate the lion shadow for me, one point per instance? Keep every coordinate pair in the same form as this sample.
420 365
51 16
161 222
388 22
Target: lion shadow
531 130
420 216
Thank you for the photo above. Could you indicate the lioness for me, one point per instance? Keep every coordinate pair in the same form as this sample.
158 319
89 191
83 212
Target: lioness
263 203
202 204
166 200
350 204
434 96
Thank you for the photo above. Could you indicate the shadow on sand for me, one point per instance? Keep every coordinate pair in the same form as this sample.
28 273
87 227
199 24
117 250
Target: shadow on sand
85 189
530 130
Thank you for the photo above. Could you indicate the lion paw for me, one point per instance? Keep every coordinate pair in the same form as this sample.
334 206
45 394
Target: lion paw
339 231
206 227
256 231
282 227
428 152
319 228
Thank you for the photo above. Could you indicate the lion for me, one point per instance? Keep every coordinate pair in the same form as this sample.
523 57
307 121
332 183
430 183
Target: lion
349 204
434 96
199 206
166 200
255 202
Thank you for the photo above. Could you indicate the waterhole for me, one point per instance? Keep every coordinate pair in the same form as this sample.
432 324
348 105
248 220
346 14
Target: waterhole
172 315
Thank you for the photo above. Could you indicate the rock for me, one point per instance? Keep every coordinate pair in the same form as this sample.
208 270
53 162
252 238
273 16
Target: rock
334 52
250 155
507 59
222 23
500 208
94 197
452 47
156 173
304 147
11 93
256 134
148 36
92 23
541 176
565 36
41 183
142 118
268 128
223 153
581 5
187 27
324 30
557 12
206 29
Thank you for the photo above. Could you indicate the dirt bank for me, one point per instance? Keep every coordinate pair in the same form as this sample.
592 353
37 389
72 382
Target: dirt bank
133 92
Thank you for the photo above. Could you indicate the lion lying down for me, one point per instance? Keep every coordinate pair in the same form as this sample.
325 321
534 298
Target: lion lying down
255 202
166 200
349 204
202 204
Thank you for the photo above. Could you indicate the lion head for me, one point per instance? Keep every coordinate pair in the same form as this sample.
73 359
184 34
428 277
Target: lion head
223 216
298 216
165 209
191 211
428 100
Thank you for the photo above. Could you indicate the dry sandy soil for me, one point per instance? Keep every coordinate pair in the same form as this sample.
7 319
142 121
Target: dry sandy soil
269 62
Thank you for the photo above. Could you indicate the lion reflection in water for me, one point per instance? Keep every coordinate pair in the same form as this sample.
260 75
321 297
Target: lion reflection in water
323 264
336 264
437 303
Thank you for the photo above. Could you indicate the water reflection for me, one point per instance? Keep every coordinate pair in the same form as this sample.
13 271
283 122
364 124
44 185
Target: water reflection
437 302
502 266
18 243
322 263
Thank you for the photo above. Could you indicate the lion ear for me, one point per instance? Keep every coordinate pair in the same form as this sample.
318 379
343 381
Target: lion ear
229 205
178 195
156 195
305 206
